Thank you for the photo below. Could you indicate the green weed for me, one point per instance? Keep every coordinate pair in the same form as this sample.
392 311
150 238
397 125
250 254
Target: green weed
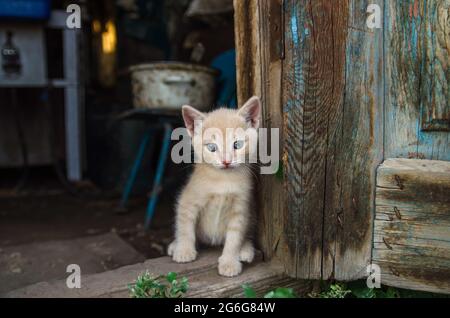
280 292
148 286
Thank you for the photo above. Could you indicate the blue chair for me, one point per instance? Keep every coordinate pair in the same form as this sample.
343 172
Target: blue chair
166 119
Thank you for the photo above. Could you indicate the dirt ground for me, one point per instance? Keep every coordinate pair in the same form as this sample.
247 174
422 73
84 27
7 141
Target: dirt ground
45 211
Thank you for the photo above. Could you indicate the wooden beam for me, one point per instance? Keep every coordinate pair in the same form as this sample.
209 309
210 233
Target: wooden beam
312 96
321 81
412 224
247 49
204 281
259 44
332 97
354 151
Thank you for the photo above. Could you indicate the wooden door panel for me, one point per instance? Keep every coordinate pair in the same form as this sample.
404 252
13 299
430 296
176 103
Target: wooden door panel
435 91
332 86
417 77
345 97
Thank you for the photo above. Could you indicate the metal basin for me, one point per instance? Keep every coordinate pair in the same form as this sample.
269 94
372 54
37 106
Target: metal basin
171 85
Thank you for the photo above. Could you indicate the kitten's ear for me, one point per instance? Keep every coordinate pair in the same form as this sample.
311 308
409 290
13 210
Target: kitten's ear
251 111
190 115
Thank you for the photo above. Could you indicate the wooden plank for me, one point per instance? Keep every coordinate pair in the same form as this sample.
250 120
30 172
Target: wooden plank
258 48
336 76
247 48
416 55
397 228
423 181
407 255
332 92
308 216
424 279
305 94
422 166
358 149
204 281
413 211
271 192
379 241
412 224
262 277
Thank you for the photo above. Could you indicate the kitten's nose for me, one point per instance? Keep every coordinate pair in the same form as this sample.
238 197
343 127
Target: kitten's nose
226 163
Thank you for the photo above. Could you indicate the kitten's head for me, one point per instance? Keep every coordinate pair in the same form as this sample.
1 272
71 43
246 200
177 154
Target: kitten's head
225 138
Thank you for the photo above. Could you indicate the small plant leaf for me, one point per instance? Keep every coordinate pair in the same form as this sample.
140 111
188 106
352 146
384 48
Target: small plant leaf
171 277
270 294
337 290
249 292
281 293
389 293
147 286
364 292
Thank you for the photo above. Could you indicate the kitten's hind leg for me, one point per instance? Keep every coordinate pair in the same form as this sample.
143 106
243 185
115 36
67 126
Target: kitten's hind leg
247 252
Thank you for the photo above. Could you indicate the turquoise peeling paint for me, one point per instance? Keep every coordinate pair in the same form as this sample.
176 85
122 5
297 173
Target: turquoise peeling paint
294 28
425 139
296 40
414 37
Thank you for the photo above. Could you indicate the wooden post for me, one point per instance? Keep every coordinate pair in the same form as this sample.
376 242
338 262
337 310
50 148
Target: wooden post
258 29
323 87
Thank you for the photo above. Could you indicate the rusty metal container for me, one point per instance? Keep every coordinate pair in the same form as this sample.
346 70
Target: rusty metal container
173 84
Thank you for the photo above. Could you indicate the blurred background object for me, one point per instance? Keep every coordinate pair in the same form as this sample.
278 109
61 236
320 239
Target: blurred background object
213 12
25 9
71 139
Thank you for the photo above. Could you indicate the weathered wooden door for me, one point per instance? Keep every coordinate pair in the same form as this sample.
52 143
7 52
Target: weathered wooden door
412 203
346 97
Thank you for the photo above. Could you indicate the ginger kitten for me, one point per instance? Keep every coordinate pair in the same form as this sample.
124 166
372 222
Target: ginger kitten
214 206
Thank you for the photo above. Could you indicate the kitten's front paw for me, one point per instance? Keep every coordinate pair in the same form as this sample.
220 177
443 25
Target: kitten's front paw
183 253
229 266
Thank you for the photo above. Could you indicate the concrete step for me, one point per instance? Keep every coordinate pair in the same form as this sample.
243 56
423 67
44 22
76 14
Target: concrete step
26 264
204 281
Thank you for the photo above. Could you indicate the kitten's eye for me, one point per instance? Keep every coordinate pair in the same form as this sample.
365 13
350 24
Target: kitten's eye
212 147
238 144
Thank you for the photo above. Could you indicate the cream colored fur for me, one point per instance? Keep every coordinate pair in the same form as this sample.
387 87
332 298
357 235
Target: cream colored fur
214 206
